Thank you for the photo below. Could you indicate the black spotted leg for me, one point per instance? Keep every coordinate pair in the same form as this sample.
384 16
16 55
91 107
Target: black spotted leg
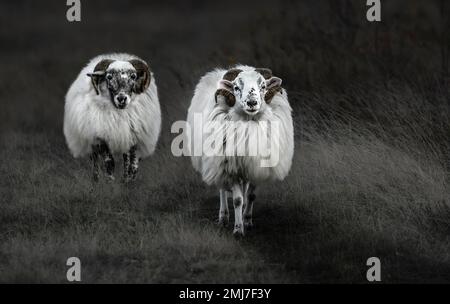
95 166
126 166
130 164
248 209
101 149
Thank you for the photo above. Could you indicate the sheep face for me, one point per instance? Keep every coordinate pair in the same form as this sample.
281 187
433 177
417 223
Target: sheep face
249 89
121 79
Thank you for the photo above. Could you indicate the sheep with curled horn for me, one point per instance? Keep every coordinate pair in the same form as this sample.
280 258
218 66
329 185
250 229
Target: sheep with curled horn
229 99
111 108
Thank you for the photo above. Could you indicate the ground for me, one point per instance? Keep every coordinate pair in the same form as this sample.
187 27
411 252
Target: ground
370 175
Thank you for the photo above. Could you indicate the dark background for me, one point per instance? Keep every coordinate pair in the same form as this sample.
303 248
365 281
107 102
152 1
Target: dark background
370 171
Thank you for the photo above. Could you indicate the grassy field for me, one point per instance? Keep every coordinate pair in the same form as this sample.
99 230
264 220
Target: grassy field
370 175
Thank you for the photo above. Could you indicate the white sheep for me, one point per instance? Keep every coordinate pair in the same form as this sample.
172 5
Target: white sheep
112 107
253 98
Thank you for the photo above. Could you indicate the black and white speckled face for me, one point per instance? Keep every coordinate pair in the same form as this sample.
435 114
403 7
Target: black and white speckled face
249 89
120 81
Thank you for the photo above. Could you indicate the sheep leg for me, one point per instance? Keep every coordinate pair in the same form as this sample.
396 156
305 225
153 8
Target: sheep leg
95 167
108 160
244 199
248 210
126 166
238 201
244 194
224 214
134 164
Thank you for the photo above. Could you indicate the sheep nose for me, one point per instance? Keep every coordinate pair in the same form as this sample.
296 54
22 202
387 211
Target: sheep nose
121 99
251 103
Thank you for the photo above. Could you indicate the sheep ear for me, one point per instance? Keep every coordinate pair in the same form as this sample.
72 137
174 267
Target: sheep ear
96 78
226 85
143 75
273 82
98 74
273 87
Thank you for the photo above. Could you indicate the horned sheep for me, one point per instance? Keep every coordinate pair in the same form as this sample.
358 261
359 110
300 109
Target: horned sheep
111 108
250 96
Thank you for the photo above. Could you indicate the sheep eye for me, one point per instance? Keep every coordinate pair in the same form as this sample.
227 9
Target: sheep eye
109 76
236 88
133 76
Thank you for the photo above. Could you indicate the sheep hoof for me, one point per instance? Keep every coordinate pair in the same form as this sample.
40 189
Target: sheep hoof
238 231
130 178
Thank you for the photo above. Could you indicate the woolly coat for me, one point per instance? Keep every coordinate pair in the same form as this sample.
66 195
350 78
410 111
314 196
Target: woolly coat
224 171
89 117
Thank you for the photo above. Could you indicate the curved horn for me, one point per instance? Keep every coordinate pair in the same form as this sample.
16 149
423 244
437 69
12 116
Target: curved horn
229 76
267 73
273 83
98 73
143 75
103 65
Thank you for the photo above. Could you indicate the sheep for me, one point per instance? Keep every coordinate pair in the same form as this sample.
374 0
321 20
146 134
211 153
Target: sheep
112 108
249 96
